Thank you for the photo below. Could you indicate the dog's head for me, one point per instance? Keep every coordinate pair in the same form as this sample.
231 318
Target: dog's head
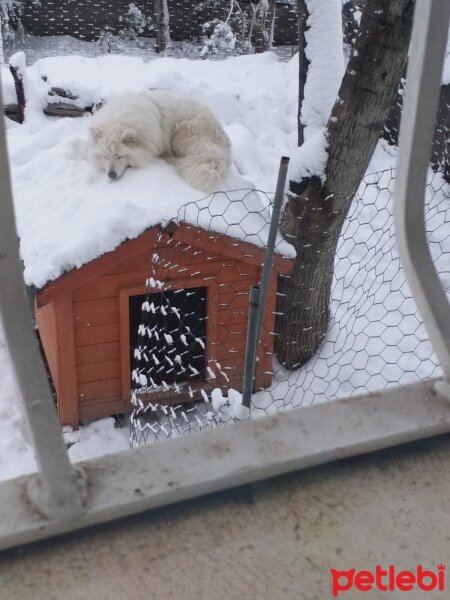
114 149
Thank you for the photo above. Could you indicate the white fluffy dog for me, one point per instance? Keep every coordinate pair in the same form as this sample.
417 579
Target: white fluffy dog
133 130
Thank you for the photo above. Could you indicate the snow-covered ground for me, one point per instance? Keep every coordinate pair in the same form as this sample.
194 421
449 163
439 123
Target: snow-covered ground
375 336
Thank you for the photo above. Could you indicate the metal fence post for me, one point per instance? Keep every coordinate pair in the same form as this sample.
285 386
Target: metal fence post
429 39
258 294
56 493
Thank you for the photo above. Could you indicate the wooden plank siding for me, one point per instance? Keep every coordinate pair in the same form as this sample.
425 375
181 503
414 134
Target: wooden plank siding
103 311
66 388
83 317
93 334
96 353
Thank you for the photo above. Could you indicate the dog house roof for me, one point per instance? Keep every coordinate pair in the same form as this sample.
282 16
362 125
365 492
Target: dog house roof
67 217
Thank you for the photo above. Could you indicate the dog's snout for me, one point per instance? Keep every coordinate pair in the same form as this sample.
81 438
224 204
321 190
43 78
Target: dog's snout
112 174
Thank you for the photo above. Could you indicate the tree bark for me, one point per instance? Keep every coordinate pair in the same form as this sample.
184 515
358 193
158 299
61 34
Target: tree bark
312 221
161 25
165 24
264 32
303 63
20 92
158 37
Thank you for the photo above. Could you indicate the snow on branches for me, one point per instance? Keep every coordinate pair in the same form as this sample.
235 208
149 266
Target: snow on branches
237 26
217 34
135 22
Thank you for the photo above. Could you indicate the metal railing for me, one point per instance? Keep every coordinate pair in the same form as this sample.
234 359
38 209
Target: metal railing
62 498
428 45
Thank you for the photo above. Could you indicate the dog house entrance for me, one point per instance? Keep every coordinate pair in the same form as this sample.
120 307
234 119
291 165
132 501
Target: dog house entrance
167 338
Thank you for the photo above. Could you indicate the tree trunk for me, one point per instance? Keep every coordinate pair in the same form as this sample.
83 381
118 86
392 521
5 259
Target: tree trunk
312 221
159 41
20 92
162 26
391 127
264 32
303 63
165 24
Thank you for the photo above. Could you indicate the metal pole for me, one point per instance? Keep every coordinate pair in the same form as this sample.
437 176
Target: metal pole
252 344
258 294
56 493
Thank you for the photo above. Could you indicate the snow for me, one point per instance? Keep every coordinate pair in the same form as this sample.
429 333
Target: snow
18 61
325 54
375 338
67 215
8 89
446 70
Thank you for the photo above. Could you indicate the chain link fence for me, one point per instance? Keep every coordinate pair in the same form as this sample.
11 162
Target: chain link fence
375 336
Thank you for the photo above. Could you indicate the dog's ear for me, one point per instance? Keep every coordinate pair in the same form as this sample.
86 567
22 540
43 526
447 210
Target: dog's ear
129 137
95 133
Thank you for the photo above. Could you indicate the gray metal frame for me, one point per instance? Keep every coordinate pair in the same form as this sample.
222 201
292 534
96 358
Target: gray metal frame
56 490
429 40
63 498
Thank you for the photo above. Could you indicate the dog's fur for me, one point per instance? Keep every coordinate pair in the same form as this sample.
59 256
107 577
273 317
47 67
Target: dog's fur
133 130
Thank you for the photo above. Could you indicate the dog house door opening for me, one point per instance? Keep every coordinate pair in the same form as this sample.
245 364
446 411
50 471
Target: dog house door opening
168 337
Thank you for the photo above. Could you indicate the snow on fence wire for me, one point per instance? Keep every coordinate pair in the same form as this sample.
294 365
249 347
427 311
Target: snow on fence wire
375 336
203 28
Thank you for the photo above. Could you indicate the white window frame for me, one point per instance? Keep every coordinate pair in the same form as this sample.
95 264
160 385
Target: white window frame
62 497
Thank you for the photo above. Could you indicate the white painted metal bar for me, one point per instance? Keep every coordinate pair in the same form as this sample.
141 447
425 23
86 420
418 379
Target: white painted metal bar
429 38
56 491
147 477
136 480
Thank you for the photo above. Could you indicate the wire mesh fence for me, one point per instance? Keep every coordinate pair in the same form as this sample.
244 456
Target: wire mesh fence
187 332
200 29
188 356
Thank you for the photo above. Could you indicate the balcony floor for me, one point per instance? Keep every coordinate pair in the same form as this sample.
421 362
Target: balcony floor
276 540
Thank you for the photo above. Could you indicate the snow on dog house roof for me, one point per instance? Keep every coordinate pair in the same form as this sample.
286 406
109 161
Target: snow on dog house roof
67 216
87 245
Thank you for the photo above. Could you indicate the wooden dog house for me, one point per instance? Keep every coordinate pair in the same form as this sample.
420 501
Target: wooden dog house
83 317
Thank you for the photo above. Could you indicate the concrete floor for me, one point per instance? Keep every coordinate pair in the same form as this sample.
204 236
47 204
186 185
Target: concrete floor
271 541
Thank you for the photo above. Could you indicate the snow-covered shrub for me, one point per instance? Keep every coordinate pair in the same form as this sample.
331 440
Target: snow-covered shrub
217 35
232 22
134 23
106 40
